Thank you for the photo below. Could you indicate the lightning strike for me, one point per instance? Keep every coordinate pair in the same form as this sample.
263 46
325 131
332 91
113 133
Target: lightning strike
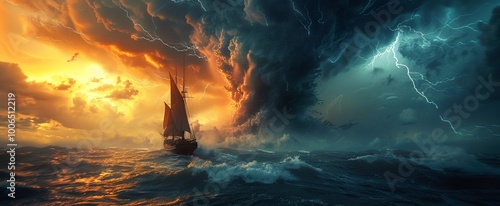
286 82
263 16
201 4
320 20
336 101
149 37
366 7
204 92
303 19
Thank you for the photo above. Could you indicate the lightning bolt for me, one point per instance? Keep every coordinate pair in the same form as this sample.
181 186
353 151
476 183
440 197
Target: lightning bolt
336 101
427 39
202 7
341 53
180 47
73 30
451 125
47 21
487 128
432 85
320 20
154 37
204 92
263 15
450 21
286 82
306 22
391 50
366 7
154 15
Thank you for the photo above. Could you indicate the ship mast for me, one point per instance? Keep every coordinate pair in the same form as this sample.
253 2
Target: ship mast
184 92
176 65
184 76
184 84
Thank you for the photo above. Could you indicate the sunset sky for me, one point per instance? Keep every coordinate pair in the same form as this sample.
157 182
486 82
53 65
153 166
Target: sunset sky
72 71
95 73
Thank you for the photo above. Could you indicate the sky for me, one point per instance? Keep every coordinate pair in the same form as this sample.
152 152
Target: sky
296 74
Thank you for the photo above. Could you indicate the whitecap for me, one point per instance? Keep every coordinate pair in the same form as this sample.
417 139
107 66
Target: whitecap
250 172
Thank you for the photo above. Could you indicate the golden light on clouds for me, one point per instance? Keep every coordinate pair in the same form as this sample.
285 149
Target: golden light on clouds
73 72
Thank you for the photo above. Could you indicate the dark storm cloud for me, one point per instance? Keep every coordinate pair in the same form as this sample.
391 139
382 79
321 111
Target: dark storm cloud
442 39
128 29
272 53
490 38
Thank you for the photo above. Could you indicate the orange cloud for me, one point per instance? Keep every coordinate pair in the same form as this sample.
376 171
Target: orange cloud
118 76
65 85
127 91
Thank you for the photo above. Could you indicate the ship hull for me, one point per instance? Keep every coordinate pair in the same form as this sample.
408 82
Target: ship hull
182 147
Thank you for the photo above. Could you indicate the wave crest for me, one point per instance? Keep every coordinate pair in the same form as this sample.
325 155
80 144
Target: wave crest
250 172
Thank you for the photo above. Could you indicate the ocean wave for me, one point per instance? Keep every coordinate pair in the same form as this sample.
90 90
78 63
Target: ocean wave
250 172
446 158
441 159
130 176
266 151
388 156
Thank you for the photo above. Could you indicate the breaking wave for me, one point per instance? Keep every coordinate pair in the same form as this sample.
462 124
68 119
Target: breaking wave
228 177
251 171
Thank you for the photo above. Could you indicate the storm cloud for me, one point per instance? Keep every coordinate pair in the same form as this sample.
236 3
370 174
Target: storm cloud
284 55
273 55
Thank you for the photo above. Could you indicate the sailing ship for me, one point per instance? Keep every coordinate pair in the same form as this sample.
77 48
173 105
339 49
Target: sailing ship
176 124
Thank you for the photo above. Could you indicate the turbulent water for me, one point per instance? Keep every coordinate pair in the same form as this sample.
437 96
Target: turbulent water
54 175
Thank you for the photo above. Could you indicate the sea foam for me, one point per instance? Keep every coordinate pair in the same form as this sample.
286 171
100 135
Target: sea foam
251 171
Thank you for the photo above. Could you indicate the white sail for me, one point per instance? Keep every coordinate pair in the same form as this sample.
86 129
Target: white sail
179 114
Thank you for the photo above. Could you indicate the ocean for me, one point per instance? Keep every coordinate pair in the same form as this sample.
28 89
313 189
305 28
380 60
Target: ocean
115 176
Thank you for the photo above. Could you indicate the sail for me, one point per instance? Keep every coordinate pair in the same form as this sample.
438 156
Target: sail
167 117
179 114
168 122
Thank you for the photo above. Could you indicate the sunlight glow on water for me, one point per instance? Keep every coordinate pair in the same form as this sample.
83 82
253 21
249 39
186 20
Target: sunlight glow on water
133 176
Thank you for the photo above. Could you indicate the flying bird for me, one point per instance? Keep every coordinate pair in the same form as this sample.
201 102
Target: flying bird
73 58
390 79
